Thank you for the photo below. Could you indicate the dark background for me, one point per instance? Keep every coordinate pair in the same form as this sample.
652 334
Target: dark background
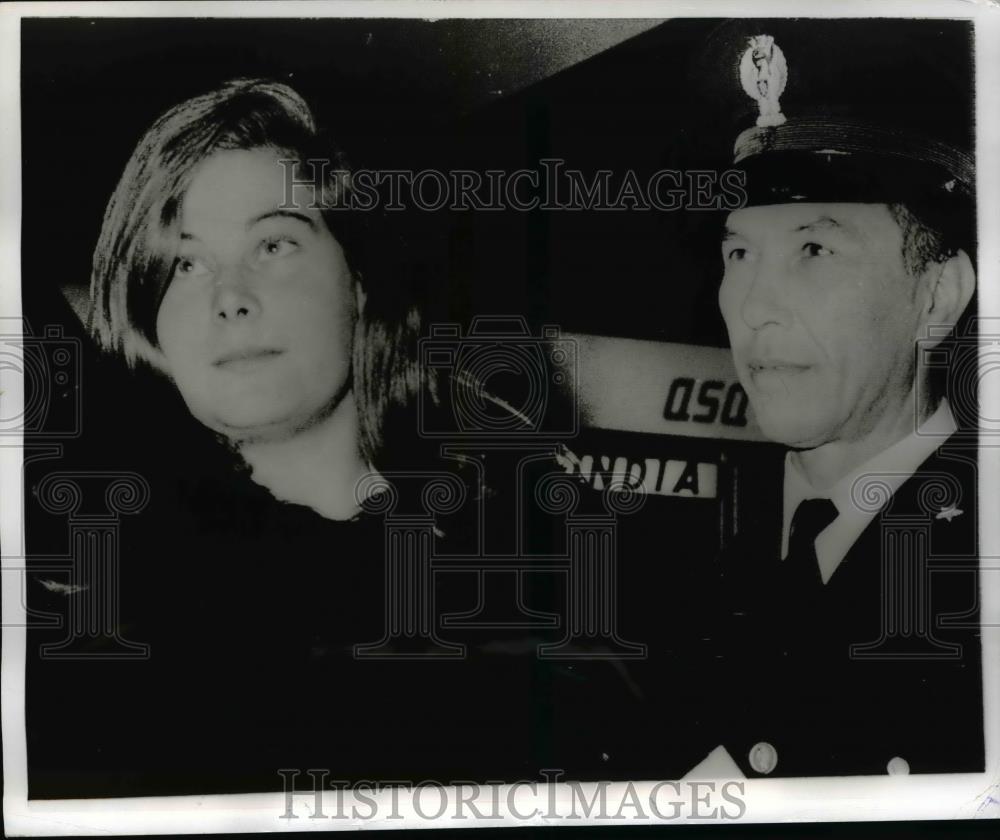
483 94
402 94
502 94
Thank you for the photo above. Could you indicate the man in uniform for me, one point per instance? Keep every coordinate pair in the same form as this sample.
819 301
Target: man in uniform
849 631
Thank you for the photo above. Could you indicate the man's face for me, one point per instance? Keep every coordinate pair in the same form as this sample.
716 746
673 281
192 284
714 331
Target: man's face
257 321
822 318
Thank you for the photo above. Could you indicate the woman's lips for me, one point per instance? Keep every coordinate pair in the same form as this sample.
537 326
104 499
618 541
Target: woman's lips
246 359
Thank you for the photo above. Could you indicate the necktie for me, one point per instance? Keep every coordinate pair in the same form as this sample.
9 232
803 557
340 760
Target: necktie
801 565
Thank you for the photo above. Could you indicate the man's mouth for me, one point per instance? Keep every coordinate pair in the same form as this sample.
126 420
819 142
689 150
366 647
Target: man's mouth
776 367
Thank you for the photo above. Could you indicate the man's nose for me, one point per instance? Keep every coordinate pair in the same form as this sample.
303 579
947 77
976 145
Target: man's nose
766 300
233 298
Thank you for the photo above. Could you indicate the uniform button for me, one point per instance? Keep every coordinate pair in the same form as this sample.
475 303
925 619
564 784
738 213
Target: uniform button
898 767
763 757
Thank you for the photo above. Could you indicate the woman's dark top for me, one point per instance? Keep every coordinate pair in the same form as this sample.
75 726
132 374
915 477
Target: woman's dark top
252 610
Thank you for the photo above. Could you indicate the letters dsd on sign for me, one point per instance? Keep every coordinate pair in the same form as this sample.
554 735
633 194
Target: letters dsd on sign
545 421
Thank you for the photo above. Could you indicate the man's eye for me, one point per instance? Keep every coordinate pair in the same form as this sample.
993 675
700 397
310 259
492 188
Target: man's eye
190 267
277 247
736 254
814 249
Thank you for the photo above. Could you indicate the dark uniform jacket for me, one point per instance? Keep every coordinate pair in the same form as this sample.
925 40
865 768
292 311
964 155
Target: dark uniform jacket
253 611
882 663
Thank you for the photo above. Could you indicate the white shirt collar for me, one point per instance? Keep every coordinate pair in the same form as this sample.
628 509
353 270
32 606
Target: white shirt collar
886 471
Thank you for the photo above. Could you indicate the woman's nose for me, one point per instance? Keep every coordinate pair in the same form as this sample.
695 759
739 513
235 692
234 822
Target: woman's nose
233 298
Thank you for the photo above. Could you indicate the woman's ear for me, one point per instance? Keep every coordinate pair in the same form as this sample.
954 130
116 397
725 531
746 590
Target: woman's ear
951 284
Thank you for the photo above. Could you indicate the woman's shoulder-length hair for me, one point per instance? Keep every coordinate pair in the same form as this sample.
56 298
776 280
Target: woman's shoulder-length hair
137 248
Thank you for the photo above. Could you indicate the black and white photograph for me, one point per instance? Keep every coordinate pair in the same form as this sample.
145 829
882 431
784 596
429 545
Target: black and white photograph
431 415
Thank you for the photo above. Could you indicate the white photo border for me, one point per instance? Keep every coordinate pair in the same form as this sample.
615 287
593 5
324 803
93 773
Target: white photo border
918 797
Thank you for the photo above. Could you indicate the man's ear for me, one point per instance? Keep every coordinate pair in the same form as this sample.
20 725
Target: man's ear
951 283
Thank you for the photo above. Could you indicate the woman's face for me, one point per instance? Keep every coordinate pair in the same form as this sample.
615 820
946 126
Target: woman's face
257 321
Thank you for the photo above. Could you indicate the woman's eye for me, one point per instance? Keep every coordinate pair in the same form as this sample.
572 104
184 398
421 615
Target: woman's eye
276 248
190 267
814 249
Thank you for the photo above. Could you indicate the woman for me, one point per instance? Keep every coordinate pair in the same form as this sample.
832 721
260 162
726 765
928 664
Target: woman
259 576
220 269
259 567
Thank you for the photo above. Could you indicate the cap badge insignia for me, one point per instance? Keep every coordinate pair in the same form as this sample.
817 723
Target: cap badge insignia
763 72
